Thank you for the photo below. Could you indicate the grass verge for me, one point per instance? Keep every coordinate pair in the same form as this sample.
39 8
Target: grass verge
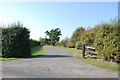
99 63
35 51
7 59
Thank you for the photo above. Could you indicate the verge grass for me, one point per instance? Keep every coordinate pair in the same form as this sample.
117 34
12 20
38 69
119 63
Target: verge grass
35 51
77 54
7 59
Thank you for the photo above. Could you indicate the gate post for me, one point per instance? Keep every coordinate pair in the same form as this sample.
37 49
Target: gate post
83 51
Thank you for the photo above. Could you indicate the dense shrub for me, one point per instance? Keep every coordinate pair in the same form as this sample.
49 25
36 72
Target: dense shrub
43 41
70 43
105 38
77 34
0 42
34 43
89 35
57 44
78 45
64 42
107 43
15 41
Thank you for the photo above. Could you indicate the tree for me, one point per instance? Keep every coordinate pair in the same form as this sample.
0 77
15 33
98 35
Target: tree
62 42
70 43
42 41
53 36
77 34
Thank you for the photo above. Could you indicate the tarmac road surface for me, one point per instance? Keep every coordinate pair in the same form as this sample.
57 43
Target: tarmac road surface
55 63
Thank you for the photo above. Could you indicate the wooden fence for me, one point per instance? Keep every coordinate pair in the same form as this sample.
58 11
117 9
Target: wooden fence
88 51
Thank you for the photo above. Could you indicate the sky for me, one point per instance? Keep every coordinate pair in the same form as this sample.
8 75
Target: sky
41 16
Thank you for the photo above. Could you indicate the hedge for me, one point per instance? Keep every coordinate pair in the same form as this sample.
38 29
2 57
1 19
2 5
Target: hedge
107 43
15 41
89 35
70 43
62 42
105 38
78 45
34 43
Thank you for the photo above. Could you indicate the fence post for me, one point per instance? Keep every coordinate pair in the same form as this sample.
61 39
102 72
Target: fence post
83 51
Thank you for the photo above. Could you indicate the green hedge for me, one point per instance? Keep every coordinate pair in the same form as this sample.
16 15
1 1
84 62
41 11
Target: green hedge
107 43
78 45
62 42
105 38
15 41
89 35
70 43
34 43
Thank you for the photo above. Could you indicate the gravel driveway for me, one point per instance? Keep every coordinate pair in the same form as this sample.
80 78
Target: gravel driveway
55 63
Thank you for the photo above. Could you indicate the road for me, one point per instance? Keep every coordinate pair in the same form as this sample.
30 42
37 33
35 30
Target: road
55 63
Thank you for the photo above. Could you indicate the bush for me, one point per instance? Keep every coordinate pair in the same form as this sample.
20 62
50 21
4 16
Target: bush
105 38
89 35
15 41
78 45
77 34
57 44
107 43
70 43
63 43
34 43
42 41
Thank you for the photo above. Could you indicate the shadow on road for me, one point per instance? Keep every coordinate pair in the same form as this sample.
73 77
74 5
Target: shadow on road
52 56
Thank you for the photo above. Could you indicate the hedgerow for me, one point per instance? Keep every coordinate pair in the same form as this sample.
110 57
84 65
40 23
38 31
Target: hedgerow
15 41
107 43
70 43
89 35
62 42
105 38
78 45
34 43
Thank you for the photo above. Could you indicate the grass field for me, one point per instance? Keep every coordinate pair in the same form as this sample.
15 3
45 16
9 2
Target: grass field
99 63
35 51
